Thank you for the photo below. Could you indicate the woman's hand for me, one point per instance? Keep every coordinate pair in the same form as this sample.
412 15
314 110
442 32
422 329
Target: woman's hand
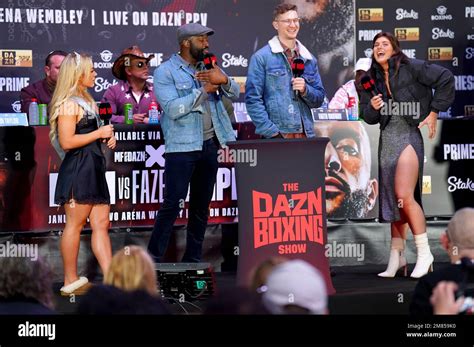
431 122
106 131
112 143
377 102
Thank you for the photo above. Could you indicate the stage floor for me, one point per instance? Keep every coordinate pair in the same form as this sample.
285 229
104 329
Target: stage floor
358 291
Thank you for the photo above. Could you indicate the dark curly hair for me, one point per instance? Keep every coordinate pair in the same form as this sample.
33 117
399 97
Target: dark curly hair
24 278
397 55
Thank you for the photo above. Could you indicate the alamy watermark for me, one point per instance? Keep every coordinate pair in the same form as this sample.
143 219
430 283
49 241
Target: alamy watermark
401 108
28 329
19 250
345 250
227 155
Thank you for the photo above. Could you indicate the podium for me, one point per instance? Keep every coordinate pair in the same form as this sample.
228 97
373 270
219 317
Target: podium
281 200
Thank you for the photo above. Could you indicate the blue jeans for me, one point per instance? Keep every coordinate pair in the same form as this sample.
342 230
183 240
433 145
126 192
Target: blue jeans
197 169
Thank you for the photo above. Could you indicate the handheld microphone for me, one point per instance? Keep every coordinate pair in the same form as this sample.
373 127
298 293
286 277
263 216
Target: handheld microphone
209 59
368 85
105 112
297 67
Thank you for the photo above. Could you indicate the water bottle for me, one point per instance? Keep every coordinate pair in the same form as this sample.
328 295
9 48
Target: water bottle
33 112
351 109
325 104
355 111
153 114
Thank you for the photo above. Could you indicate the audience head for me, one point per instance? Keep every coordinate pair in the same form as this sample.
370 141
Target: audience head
295 287
22 278
459 237
261 272
131 269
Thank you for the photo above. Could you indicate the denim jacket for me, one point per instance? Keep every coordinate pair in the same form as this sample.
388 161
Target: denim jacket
269 95
183 99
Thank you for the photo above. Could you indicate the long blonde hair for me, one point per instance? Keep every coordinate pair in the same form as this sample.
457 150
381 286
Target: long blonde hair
132 269
74 67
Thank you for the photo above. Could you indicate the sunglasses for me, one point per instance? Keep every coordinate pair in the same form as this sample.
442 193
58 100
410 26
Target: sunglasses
141 64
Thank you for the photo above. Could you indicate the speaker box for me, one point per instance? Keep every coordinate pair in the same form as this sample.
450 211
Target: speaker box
185 281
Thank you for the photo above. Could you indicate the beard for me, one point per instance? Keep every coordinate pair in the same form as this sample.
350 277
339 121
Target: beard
196 53
354 205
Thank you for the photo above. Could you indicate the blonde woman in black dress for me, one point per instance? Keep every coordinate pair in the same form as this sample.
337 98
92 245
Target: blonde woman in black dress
409 81
76 133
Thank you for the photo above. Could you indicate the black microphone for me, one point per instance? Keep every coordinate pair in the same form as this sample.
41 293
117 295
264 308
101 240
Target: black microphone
209 60
297 67
105 112
368 85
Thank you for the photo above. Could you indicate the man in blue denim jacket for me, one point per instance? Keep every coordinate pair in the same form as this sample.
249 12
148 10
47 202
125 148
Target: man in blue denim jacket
194 124
270 87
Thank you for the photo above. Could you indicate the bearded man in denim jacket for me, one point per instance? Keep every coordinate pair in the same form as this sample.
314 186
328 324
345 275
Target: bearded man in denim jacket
195 123
270 91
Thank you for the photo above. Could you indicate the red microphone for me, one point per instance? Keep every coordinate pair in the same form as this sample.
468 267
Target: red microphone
297 67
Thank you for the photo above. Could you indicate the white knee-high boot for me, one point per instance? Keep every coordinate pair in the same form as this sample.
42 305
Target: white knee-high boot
424 258
397 258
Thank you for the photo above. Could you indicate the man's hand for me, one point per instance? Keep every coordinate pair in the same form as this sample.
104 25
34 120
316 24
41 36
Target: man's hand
443 299
299 84
430 121
139 117
213 76
210 88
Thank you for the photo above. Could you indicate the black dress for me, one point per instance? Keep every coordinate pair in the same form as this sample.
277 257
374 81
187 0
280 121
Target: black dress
82 173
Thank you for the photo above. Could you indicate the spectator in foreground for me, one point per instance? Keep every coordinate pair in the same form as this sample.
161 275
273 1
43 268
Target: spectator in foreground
132 269
295 287
25 286
458 241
